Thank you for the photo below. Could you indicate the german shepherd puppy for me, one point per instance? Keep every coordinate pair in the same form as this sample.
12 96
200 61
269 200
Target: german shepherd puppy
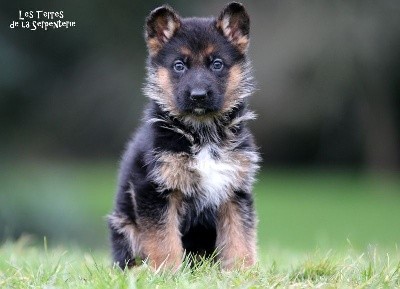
186 176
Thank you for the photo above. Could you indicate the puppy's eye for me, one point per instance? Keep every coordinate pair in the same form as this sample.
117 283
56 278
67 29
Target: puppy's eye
179 66
217 65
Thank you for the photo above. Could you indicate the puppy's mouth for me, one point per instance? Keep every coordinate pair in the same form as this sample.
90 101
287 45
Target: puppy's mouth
199 111
201 108
198 108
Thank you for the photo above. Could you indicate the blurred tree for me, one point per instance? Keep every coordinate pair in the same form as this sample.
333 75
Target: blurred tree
328 75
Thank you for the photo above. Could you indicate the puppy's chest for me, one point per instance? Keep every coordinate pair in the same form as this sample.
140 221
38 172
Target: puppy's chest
214 169
210 174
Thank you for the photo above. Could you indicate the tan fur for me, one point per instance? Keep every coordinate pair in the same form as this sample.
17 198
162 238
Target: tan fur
164 81
233 34
163 247
154 45
245 163
206 53
201 57
242 42
186 51
234 80
166 28
210 49
235 242
177 171
124 226
167 98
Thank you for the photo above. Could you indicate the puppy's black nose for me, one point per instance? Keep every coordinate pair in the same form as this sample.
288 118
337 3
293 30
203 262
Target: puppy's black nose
198 94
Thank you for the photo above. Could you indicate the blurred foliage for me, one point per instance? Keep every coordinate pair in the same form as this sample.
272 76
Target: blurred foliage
328 74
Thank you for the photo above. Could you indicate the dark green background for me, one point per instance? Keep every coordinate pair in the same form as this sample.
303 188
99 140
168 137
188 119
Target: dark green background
328 122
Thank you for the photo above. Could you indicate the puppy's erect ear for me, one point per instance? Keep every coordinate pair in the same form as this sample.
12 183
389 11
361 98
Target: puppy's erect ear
234 24
161 25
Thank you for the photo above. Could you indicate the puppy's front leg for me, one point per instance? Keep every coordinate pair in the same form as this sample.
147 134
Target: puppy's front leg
236 233
160 238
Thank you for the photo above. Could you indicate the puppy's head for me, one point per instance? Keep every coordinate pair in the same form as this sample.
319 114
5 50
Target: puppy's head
198 67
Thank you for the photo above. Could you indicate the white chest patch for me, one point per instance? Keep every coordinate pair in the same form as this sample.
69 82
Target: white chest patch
210 175
216 176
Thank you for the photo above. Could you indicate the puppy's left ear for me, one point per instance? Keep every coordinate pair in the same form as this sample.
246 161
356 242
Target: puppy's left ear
234 24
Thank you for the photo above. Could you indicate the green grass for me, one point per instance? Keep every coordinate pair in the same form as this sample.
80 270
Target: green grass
329 209
317 229
26 266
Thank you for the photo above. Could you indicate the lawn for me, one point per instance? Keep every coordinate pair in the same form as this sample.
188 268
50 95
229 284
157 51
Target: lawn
25 266
332 228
